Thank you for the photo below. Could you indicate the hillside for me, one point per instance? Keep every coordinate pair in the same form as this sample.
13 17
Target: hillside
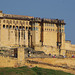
30 71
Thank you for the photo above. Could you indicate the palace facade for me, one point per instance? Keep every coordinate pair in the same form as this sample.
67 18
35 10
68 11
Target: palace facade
41 34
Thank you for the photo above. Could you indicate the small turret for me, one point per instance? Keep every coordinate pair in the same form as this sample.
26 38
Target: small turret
1 14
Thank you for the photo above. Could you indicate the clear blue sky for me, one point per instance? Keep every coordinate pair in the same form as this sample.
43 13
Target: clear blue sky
61 9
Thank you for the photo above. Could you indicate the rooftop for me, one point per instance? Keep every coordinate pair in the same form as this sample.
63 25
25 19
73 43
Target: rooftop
31 18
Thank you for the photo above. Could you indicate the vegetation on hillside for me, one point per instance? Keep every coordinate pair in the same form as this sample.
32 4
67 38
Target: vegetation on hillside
30 71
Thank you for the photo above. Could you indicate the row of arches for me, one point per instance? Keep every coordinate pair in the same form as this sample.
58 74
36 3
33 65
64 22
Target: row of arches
16 27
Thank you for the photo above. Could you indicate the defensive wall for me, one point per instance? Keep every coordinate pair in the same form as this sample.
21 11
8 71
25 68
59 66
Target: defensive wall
65 64
6 61
22 61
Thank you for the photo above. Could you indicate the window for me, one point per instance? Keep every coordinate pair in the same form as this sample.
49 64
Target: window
13 27
59 25
26 28
3 26
23 28
10 26
17 27
7 21
36 24
7 26
10 21
3 21
20 27
16 22
62 30
26 23
33 28
20 22
36 28
13 21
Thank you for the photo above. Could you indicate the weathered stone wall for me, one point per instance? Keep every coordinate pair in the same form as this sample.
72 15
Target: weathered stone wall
8 62
12 61
48 50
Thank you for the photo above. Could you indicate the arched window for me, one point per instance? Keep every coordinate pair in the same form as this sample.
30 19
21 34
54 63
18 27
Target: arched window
3 21
13 21
10 21
3 26
17 27
59 30
62 30
26 23
13 27
23 28
20 27
7 26
16 22
36 28
10 26
32 28
26 28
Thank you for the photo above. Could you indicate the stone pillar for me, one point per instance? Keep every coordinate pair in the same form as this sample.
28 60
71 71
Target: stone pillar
26 38
21 56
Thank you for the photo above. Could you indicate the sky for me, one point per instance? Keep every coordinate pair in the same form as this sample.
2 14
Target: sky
61 9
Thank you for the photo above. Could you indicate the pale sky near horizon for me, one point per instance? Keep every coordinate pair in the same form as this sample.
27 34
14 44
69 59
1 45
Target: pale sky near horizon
61 9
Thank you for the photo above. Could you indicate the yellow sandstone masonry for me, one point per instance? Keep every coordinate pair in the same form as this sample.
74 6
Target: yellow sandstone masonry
42 34
6 61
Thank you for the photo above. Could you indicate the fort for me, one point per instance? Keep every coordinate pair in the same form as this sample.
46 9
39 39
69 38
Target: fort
25 36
